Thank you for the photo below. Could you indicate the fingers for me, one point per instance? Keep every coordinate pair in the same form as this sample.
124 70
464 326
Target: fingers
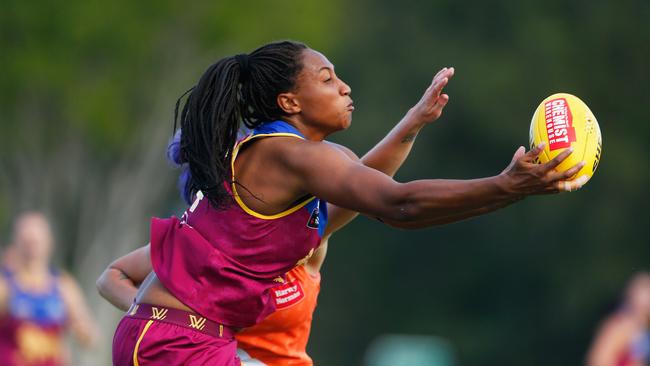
438 74
571 172
442 101
447 71
440 80
519 153
437 86
450 72
558 159
432 94
573 185
534 152
561 181
433 101
554 176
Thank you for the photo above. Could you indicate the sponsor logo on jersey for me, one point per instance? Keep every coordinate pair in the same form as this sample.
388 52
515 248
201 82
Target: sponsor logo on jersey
313 218
559 124
288 294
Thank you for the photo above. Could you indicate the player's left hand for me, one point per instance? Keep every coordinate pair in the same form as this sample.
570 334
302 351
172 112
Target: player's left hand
430 106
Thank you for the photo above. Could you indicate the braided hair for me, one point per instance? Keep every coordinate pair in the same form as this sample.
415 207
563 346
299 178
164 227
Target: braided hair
234 90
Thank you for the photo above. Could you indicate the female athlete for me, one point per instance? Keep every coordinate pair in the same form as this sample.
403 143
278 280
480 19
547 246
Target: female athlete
281 338
38 303
256 215
624 336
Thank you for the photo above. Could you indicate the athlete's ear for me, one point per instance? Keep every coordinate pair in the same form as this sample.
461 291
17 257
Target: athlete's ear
289 103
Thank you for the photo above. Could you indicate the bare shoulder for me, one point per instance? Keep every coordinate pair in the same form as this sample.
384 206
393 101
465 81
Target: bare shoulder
282 145
618 324
299 152
345 149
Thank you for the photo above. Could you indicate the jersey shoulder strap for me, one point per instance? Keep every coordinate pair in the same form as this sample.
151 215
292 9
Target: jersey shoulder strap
267 129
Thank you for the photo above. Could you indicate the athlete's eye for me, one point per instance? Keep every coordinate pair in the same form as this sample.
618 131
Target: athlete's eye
326 75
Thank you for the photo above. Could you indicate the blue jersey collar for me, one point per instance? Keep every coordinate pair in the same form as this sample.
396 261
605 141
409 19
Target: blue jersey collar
278 126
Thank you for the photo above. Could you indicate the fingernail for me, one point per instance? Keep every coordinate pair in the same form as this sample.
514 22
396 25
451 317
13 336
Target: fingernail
570 149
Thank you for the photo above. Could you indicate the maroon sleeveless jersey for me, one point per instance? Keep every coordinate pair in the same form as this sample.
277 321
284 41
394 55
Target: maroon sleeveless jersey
223 263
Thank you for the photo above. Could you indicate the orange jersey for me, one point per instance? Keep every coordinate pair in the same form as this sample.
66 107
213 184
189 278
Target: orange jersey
281 338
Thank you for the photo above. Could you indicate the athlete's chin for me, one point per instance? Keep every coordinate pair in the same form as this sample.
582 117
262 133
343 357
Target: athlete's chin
346 121
342 122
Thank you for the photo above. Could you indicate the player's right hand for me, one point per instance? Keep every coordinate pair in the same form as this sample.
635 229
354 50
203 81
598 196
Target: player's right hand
523 176
433 101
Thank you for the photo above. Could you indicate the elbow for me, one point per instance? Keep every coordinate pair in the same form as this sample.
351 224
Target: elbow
397 219
408 213
405 208
404 211
403 216
102 283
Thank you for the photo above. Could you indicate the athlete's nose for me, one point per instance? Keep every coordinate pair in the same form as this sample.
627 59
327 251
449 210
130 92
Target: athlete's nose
345 89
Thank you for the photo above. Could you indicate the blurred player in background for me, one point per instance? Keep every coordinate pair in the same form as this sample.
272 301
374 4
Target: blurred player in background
624 337
38 302
280 339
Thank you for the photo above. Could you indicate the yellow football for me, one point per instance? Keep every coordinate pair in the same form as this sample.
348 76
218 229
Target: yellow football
563 121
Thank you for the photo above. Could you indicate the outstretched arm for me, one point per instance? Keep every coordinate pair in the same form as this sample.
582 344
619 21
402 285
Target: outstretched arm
387 157
391 152
453 217
354 186
119 282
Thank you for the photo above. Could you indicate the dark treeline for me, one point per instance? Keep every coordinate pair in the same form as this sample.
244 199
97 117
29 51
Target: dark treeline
86 101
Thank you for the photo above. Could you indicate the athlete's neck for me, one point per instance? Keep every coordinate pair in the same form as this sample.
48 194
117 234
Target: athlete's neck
33 269
638 316
310 132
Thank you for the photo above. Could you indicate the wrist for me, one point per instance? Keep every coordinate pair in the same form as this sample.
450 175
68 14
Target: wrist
414 119
504 185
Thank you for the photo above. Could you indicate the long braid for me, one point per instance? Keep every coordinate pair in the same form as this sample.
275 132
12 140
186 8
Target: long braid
235 89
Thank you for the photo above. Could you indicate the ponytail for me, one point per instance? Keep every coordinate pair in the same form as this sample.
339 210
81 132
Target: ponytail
235 89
